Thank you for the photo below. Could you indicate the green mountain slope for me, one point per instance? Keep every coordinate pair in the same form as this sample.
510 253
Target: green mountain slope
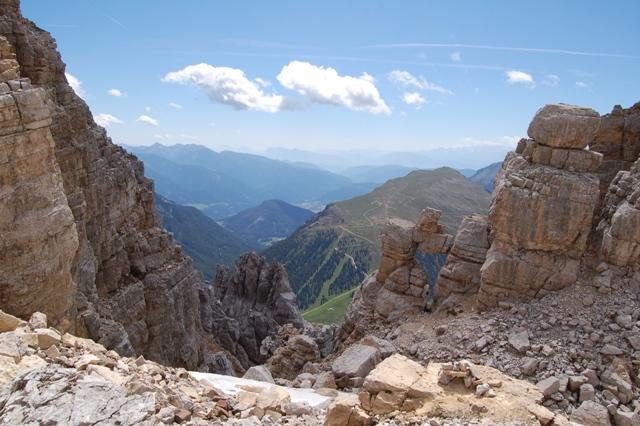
206 242
487 175
271 221
333 251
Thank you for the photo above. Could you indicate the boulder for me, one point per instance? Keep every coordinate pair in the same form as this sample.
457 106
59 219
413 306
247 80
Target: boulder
260 373
356 361
590 413
564 126
79 399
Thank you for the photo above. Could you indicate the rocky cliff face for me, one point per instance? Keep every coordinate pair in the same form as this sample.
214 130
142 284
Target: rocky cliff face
77 218
557 210
256 301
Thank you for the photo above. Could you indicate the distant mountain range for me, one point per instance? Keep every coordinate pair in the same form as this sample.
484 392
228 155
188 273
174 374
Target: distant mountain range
206 242
459 158
223 184
271 221
333 251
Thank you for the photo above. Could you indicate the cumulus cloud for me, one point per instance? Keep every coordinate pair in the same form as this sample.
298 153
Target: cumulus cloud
322 85
263 83
105 120
76 85
175 105
405 79
229 86
520 77
455 57
147 119
117 93
551 80
413 99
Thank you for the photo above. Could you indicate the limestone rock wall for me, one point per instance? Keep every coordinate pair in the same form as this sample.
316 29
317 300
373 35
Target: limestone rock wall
79 225
618 140
542 207
38 235
620 224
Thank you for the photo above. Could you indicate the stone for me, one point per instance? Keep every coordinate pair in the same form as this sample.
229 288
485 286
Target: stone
38 320
78 399
47 337
529 366
346 411
564 126
591 413
549 386
8 322
587 393
622 418
520 341
356 361
610 349
260 373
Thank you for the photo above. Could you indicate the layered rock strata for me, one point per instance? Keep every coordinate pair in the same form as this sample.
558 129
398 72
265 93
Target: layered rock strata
79 239
618 140
460 274
542 208
400 284
620 224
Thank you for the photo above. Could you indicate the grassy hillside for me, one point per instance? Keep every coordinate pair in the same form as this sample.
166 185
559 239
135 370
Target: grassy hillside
334 250
487 175
271 221
206 242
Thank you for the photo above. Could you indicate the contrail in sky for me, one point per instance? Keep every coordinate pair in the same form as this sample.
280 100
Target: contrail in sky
519 49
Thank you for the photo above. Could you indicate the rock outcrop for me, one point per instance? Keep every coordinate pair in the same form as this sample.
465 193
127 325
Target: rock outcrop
80 240
461 273
619 228
79 217
400 284
256 301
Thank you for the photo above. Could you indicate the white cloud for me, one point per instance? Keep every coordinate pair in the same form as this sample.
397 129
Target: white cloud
455 57
117 93
404 79
175 105
163 136
105 120
413 99
263 83
520 77
147 108
551 80
581 85
147 119
324 86
505 142
76 85
183 136
229 86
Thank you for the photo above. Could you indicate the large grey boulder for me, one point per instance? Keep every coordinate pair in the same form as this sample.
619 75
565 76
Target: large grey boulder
54 395
591 413
356 361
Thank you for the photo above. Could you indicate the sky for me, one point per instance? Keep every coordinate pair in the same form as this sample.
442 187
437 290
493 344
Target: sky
340 74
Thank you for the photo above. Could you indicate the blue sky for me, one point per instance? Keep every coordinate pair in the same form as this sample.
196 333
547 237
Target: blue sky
389 75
